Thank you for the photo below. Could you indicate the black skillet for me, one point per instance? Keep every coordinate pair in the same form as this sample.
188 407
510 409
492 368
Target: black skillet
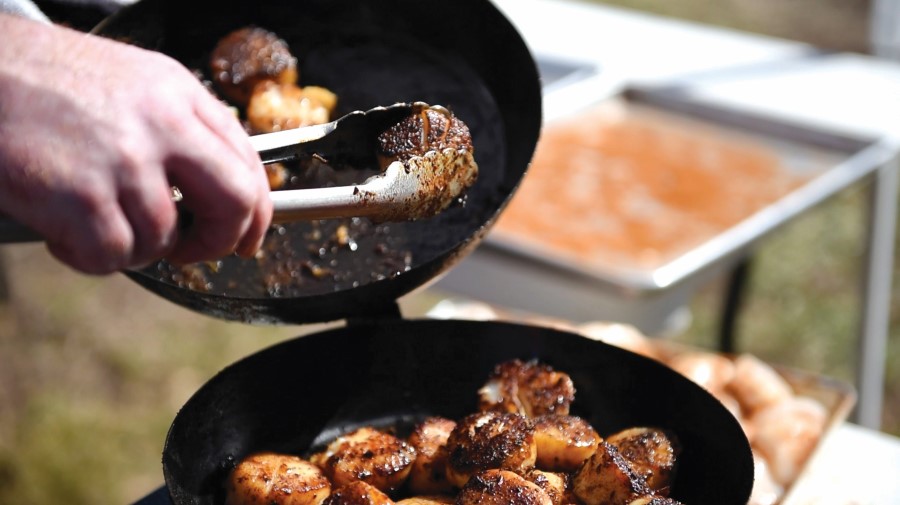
299 394
462 54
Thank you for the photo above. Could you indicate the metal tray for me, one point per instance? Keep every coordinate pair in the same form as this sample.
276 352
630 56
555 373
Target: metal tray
836 397
528 275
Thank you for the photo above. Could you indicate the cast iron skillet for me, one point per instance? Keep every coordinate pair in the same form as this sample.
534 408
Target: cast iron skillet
463 54
301 393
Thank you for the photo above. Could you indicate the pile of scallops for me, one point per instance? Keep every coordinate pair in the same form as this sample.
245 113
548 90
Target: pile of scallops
783 426
522 447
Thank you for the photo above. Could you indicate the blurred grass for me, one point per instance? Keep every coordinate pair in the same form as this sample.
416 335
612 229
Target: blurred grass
839 25
92 371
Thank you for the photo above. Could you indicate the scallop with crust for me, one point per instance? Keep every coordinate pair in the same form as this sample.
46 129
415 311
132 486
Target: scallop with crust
368 455
501 487
247 56
564 443
529 388
608 479
490 440
276 479
429 471
358 493
652 453
431 128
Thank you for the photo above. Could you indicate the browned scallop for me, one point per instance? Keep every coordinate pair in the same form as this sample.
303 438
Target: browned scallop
276 479
278 106
501 487
431 128
652 453
428 500
358 493
564 443
556 485
368 455
529 388
247 56
490 440
277 174
429 470
655 500
356 436
608 479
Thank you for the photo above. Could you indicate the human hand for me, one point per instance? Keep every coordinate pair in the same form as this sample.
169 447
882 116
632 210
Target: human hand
93 134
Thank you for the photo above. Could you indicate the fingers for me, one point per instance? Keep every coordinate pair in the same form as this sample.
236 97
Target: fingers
131 221
99 227
99 242
224 187
221 121
152 216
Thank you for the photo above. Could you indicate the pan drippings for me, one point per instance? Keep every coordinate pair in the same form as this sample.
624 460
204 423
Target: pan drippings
253 69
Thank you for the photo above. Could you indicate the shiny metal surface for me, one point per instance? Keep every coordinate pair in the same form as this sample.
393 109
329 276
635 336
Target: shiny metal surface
521 276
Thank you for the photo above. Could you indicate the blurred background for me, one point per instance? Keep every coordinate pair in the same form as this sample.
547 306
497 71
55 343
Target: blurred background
92 370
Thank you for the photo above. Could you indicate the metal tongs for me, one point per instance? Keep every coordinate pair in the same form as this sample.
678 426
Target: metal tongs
415 189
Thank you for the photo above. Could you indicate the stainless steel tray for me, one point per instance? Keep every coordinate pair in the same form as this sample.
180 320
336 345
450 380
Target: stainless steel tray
527 274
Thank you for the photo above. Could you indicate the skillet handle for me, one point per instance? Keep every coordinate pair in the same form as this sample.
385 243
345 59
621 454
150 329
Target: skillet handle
13 232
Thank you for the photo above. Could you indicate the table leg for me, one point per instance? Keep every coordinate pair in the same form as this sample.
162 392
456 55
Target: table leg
876 295
734 298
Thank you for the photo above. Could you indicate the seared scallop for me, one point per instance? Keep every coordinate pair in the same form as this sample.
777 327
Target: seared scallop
490 440
529 388
655 500
245 57
430 129
368 455
277 174
608 479
358 493
429 470
564 443
501 487
651 452
556 485
276 479
276 106
428 500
